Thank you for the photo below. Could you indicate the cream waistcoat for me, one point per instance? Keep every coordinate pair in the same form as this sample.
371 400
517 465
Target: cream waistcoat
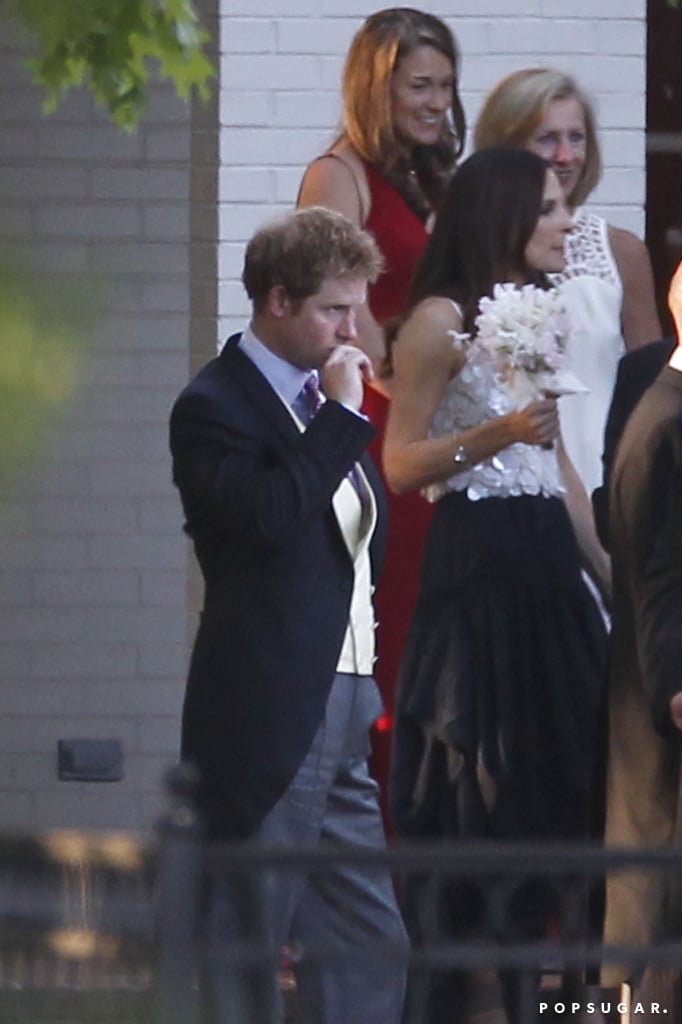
356 513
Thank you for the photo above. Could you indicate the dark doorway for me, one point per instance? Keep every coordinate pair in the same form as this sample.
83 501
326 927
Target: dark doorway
664 145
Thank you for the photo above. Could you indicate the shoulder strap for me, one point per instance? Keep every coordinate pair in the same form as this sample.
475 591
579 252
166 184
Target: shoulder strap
356 182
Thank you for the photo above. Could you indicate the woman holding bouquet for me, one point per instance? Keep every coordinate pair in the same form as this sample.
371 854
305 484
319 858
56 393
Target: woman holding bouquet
501 680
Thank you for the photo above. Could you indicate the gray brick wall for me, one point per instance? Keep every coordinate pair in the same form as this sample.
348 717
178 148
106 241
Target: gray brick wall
92 558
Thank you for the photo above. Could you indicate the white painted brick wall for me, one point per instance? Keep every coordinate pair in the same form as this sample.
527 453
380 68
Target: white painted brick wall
281 61
93 561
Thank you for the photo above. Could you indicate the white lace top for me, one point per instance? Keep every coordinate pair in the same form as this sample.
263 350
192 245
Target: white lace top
593 292
477 394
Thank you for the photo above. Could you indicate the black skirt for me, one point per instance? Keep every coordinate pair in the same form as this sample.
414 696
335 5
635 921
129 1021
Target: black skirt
498 716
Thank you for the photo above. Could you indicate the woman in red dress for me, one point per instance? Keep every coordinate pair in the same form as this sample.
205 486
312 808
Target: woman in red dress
403 129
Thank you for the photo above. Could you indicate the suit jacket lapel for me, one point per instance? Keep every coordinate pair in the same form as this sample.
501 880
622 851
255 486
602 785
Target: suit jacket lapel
261 393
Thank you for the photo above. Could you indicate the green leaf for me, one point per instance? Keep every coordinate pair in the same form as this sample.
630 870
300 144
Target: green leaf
114 47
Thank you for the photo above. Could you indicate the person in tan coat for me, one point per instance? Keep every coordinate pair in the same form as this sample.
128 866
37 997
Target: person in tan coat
643 787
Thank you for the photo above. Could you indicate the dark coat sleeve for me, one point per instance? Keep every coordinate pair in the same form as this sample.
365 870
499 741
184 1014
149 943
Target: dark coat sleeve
658 589
637 370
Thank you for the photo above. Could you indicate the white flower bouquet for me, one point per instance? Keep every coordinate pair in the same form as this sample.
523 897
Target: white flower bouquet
524 332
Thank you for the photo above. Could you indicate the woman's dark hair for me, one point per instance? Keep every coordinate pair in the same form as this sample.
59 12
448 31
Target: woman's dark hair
489 214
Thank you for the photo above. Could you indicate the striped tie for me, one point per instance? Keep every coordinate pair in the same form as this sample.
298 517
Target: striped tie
309 399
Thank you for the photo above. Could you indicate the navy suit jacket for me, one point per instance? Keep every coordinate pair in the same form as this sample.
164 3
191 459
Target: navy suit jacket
257 494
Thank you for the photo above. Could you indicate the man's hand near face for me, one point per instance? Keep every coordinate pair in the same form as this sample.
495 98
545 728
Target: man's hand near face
344 375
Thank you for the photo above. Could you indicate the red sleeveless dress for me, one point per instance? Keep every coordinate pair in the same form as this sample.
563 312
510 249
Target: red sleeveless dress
401 237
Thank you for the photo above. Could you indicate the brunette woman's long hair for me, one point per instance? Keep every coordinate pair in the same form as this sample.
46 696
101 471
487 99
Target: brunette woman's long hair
489 214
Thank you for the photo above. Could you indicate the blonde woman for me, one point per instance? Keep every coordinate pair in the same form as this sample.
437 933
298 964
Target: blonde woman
607 281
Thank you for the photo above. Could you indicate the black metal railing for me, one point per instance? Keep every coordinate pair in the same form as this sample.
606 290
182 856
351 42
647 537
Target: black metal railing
107 915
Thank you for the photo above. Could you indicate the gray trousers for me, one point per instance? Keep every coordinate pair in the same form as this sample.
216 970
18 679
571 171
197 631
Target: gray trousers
344 919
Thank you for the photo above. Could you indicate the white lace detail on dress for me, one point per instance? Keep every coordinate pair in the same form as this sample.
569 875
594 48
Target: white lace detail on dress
593 292
588 251
474 395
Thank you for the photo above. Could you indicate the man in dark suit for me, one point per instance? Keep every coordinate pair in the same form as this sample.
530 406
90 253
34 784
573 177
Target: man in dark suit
636 371
646 661
286 515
